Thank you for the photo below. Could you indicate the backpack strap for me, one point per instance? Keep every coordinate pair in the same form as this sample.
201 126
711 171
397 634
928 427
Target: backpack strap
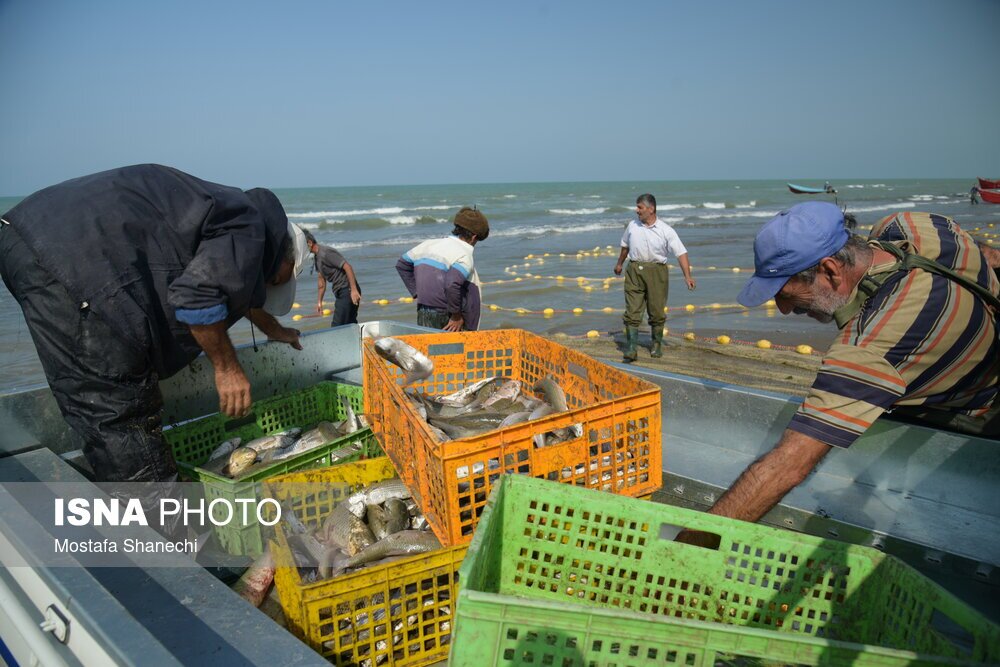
907 261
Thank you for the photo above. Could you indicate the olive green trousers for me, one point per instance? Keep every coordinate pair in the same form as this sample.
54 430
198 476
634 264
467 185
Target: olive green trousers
646 286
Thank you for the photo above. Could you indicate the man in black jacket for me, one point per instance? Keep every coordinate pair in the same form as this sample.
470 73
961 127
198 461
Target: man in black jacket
124 277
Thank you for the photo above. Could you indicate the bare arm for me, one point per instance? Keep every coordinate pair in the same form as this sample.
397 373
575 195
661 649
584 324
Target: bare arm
273 329
230 381
321 290
355 290
766 481
991 254
686 269
621 261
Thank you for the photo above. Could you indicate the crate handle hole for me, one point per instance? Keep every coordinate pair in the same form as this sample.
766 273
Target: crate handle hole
690 536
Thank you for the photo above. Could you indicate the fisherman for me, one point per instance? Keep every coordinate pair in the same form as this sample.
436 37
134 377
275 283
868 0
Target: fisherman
647 243
912 341
332 268
124 277
974 195
441 276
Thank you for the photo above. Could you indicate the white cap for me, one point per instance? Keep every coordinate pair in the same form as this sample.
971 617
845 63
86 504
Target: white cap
281 297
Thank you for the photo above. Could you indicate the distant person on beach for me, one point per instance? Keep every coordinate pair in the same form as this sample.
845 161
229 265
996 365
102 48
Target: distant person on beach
912 341
974 195
332 268
647 244
441 276
124 277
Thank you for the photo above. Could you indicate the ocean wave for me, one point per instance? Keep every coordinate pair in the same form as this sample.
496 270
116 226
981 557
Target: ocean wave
544 230
673 207
373 223
388 210
713 204
752 204
736 214
885 207
577 211
862 185
510 196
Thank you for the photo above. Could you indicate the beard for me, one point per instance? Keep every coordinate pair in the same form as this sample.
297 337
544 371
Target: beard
825 305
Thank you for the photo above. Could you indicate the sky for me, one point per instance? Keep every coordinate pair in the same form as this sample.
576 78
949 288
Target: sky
326 93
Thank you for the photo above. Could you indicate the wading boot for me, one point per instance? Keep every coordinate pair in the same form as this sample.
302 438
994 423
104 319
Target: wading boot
631 341
656 350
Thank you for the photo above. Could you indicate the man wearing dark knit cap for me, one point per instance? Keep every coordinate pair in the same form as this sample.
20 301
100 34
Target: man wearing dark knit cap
441 276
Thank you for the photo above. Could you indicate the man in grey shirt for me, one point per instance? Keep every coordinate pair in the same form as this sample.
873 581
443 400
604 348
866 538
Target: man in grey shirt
332 268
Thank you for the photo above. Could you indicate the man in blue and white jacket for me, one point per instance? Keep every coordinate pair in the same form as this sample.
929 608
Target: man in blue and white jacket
441 276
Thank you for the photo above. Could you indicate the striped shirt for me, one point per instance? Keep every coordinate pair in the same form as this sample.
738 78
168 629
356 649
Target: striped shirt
921 340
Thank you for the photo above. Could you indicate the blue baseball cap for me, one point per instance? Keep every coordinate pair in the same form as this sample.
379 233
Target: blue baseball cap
793 241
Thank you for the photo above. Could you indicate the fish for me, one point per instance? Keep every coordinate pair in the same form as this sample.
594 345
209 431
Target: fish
556 397
414 362
515 418
403 543
396 515
225 448
465 426
438 433
509 390
377 520
346 531
466 394
240 461
305 537
376 494
324 433
256 581
350 424
333 563
274 441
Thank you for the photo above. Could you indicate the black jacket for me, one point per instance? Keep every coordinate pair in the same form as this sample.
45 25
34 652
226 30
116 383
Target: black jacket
141 245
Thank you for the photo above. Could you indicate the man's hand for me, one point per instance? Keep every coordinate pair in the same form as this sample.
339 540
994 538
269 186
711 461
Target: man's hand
618 269
319 307
690 283
355 297
234 391
287 335
455 323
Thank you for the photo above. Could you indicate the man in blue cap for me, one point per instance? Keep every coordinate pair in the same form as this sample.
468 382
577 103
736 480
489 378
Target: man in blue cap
919 341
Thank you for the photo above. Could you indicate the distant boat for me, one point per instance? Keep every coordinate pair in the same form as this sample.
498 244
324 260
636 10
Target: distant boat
803 190
991 196
987 184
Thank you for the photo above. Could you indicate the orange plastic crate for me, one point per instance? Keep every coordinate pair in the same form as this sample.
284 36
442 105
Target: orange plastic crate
620 450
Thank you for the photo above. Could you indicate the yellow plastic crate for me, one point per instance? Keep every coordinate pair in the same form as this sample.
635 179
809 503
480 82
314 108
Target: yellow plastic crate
395 614
620 450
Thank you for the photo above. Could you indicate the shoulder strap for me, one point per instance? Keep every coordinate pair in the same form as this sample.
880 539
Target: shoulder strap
907 261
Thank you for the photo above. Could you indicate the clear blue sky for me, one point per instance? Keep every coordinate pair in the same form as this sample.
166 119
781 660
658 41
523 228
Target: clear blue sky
311 93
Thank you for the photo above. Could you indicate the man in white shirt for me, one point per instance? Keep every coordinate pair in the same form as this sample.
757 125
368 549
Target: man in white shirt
647 243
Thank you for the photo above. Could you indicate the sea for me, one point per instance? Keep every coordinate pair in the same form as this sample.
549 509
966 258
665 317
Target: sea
548 263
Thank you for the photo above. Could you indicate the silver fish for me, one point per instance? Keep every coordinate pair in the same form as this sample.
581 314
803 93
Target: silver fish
556 397
324 433
376 494
403 543
333 563
345 531
225 448
307 539
466 426
438 433
274 441
466 394
414 362
350 424
509 390
515 418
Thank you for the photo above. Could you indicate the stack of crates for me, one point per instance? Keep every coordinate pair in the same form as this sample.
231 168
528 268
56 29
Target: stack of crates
558 575
399 613
620 450
193 441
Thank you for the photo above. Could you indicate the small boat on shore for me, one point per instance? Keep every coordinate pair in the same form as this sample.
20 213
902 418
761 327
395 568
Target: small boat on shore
990 196
805 190
988 184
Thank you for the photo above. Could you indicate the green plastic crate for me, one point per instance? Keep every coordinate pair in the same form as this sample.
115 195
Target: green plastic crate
192 442
560 575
